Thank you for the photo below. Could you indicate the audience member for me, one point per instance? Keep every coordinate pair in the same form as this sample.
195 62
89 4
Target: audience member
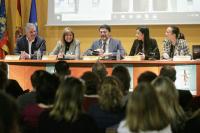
185 96
12 87
92 82
28 44
3 80
9 114
109 109
168 98
122 73
106 44
144 45
173 45
62 69
144 112
146 76
30 98
66 114
100 70
68 47
46 89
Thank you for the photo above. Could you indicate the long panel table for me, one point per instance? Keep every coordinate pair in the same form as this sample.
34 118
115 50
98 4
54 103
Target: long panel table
187 71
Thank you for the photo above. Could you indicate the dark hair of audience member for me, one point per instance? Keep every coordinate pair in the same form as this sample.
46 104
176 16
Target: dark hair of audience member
168 71
62 69
3 79
168 97
110 94
68 100
9 114
146 76
121 72
4 67
92 82
36 77
46 88
100 69
144 112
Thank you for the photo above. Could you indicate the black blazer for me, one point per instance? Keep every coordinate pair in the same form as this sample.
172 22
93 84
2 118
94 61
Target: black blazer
152 52
22 45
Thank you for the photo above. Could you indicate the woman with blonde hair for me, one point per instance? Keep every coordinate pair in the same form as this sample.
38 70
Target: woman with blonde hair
68 47
168 98
66 114
109 110
144 113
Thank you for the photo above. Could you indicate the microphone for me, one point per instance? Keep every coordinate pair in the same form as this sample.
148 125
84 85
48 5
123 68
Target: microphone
41 45
136 50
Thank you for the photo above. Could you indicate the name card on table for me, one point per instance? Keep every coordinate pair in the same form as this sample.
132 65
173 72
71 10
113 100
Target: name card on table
12 57
133 58
49 57
91 57
182 58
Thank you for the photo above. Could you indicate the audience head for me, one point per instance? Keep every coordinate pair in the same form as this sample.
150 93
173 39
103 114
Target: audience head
31 32
144 112
68 101
110 94
67 36
121 72
168 71
62 69
104 31
3 79
46 88
36 77
92 82
168 97
9 114
4 67
147 76
100 69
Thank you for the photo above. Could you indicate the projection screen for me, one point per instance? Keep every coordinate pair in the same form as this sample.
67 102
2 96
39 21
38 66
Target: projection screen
123 12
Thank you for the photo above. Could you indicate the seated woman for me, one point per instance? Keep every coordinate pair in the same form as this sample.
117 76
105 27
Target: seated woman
68 47
144 112
144 45
174 44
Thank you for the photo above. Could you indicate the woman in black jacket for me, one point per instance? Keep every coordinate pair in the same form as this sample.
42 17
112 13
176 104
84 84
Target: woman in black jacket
144 45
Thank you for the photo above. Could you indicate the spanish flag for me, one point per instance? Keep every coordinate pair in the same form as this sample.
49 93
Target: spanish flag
19 30
3 33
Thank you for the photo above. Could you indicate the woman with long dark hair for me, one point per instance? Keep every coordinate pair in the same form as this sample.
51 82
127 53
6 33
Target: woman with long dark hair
144 45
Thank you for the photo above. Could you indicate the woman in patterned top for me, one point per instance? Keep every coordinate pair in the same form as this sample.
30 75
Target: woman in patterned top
173 44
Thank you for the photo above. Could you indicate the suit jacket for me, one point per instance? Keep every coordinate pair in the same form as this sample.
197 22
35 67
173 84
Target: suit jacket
114 45
22 45
151 52
73 48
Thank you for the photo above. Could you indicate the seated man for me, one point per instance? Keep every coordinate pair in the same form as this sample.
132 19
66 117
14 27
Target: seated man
106 45
28 44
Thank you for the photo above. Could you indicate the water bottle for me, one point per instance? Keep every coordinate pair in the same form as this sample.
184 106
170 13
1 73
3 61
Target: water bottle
39 55
118 56
77 56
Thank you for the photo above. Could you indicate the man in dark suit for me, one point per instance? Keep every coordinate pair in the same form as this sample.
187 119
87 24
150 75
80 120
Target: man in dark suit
28 44
106 45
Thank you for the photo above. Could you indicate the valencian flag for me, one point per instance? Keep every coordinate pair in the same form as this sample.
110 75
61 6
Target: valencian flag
3 33
33 14
19 30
